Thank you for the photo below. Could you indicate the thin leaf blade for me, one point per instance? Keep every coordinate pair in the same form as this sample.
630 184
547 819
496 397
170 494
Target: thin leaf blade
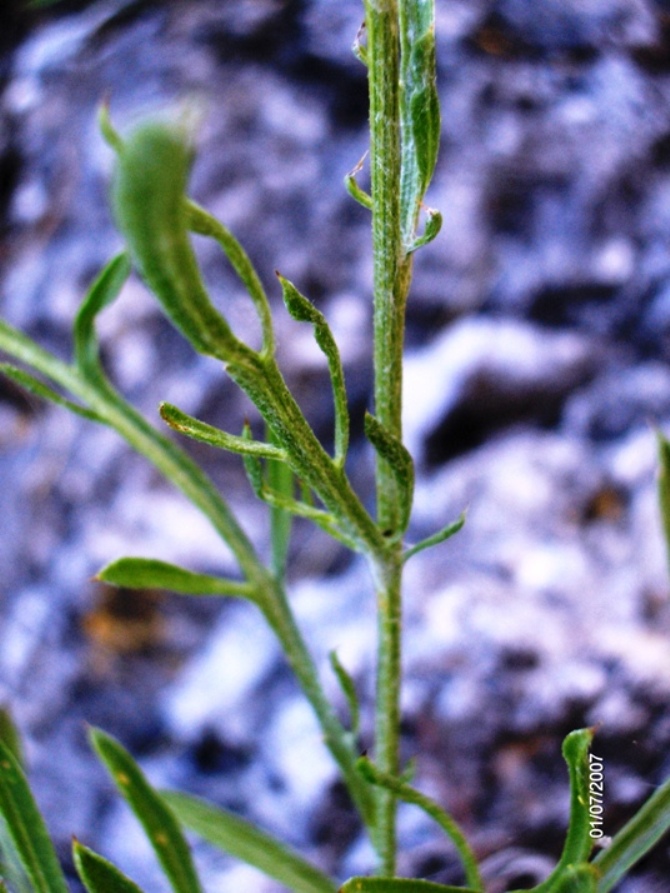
98 874
10 736
449 825
248 843
398 885
150 210
441 536
302 310
157 819
578 842
649 824
205 433
399 460
664 487
40 389
103 292
26 827
151 573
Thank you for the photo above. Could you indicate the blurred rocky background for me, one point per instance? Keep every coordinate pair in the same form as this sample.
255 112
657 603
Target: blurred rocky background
538 368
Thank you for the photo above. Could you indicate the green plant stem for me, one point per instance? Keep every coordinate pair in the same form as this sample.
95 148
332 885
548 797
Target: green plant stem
280 617
177 467
387 708
390 290
262 381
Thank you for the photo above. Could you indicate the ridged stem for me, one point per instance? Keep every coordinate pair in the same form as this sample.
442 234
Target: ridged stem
383 54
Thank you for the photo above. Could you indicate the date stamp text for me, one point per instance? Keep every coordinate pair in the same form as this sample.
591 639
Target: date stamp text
596 791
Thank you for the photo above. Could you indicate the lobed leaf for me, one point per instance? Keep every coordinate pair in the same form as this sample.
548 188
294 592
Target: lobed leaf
157 819
248 843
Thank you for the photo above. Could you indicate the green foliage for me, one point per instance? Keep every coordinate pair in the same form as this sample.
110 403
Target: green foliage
397 885
247 842
26 828
410 795
635 839
294 475
159 823
98 874
150 573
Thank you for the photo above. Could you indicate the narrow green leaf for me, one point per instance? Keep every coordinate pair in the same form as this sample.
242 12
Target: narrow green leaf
578 842
26 827
252 463
649 824
437 538
107 129
104 290
37 387
248 843
150 210
425 110
201 431
150 573
98 874
433 227
302 310
397 885
202 222
11 868
358 47
419 73
323 519
420 114
157 819
399 460
450 827
348 687
10 735
280 480
354 190
360 195
664 487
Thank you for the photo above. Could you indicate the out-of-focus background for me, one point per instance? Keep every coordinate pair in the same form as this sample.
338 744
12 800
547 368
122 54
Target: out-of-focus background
538 367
